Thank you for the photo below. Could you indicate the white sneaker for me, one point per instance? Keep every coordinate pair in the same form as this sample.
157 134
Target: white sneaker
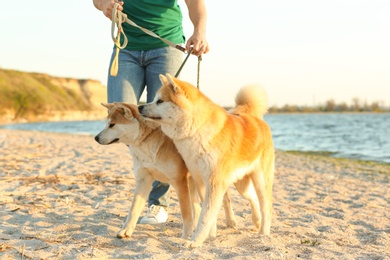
156 214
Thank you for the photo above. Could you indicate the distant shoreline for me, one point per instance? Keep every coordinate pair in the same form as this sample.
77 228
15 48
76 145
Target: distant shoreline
58 117
99 115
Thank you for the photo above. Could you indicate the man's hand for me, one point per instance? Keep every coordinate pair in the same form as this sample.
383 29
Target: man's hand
106 6
199 44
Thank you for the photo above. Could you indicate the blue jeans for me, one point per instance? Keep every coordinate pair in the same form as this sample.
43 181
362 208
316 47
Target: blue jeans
139 70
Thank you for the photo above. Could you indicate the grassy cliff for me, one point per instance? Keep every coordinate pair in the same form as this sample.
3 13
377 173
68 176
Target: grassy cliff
35 96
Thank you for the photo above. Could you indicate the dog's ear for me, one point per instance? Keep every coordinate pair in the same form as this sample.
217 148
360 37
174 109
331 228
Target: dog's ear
163 79
170 80
109 106
127 112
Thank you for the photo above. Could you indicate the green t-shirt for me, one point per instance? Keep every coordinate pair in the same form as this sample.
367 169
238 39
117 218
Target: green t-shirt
162 17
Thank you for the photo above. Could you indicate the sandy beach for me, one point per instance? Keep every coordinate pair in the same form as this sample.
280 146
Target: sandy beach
64 196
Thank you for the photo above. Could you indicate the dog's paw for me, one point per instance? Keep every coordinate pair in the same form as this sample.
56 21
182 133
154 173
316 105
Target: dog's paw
123 233
187 233
265 231
192 244
231 223
213 232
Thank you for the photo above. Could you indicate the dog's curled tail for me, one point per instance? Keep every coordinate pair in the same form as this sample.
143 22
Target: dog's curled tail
252 99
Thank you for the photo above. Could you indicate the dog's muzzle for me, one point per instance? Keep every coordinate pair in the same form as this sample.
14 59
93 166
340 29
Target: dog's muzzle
97 139
140 109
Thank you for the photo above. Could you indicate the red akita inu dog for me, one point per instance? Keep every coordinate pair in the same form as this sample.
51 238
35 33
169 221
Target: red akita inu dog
220 148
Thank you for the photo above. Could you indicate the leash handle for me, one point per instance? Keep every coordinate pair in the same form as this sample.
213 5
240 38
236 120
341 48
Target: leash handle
117 20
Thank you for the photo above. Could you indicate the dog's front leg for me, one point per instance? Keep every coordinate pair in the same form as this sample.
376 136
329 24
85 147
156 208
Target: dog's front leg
197 191
143 187
208 216
182 190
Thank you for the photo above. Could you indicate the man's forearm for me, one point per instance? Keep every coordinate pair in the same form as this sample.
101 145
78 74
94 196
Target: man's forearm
198 15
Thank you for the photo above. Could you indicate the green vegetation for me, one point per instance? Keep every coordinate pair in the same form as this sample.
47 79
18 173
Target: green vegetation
310 242
31 94
331 106
362 166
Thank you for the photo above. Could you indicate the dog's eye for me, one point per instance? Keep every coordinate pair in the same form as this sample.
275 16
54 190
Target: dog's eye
111 125
159 101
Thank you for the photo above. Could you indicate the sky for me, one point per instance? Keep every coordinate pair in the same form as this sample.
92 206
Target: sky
302 52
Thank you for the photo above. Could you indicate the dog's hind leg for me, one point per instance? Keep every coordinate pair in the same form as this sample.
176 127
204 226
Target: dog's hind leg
246 189
229 213
265 202
143 187
182 190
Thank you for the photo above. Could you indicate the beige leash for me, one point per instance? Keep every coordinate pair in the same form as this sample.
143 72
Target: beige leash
117 19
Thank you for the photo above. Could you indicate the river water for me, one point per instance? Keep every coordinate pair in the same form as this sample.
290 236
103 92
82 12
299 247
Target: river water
357 136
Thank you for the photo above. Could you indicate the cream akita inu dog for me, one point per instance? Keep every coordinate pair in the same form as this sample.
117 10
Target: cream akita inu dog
219 147
154 158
